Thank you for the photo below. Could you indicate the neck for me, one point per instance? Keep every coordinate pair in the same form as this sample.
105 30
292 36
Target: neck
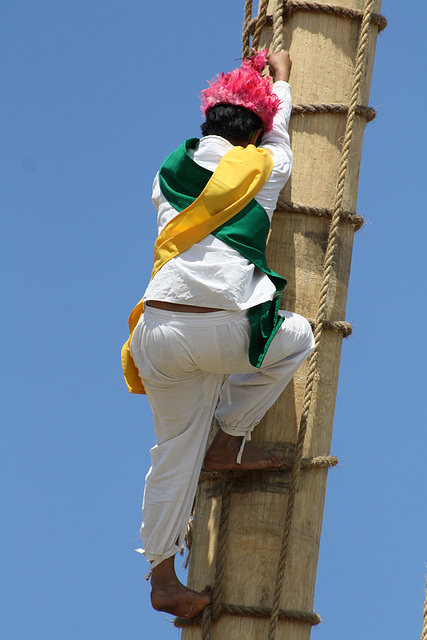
238 143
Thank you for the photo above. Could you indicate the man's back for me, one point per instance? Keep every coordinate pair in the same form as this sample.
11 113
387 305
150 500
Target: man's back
210 273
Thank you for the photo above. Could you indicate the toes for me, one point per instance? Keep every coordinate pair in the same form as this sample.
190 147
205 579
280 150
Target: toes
266 464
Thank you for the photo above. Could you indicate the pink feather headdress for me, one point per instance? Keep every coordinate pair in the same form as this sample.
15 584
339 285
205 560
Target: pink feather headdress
245 87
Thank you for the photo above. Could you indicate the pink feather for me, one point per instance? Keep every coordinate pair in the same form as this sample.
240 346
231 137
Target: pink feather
245 87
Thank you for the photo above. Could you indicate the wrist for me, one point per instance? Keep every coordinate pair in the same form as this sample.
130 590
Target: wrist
281 75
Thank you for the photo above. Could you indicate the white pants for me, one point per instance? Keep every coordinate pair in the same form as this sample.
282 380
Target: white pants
182 359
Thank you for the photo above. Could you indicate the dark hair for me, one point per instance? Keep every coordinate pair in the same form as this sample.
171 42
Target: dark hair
231 121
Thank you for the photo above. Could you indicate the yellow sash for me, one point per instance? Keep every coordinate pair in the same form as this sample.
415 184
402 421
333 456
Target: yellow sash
237 179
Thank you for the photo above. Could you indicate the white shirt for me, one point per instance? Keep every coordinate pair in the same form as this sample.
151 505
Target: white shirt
210 273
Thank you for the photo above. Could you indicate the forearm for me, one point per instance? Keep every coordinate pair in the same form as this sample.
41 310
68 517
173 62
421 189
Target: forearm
278 143
278 136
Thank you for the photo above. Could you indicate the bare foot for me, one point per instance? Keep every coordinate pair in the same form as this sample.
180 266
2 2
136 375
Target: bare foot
222 455
168 594
180 601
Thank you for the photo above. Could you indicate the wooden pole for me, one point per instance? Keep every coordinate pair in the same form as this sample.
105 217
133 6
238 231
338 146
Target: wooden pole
323 48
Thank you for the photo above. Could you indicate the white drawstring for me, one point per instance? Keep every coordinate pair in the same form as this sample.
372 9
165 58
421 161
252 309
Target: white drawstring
246 438
242 446
147 575
227 390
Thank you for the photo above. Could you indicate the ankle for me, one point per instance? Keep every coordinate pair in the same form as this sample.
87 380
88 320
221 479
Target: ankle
232 447
164 573
227 442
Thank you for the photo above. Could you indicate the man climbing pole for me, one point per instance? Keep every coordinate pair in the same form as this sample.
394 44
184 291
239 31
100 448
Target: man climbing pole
208 339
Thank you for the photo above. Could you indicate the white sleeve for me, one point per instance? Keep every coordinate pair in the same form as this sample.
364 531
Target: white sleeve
156 193
278 142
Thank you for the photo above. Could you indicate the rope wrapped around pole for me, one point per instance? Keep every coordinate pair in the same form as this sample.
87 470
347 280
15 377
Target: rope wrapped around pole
213 611
262 16
246 35
424 631
321 315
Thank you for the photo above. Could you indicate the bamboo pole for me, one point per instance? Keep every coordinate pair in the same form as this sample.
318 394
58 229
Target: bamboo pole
323 49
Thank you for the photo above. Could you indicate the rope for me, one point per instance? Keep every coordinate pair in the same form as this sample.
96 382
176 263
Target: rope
286 206
206 623
424 631
291 615
366 112
222 543
213 611
334 10
278 31
293 6
321 314
316 462
339 326
188 540
262 15
246 31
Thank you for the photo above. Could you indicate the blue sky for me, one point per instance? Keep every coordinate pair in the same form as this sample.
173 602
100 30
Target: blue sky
94 95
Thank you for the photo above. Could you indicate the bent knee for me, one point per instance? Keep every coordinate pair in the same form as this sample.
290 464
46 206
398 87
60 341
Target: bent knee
301 327
308 333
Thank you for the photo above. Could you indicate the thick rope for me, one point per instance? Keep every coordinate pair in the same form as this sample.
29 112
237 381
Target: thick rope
262 15
365 112
278 31
222 544
213 611
286 206
206 623
334 10
424 631
316 462
294 6
188 540
291 615
246 46
321 314
339 326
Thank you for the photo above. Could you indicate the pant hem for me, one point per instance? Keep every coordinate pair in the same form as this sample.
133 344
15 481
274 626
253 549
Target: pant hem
238 431
155 560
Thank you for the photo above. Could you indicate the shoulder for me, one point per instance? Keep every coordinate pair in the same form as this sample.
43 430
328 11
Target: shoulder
210 150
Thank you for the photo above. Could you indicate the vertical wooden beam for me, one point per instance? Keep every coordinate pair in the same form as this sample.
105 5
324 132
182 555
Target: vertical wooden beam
323 49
